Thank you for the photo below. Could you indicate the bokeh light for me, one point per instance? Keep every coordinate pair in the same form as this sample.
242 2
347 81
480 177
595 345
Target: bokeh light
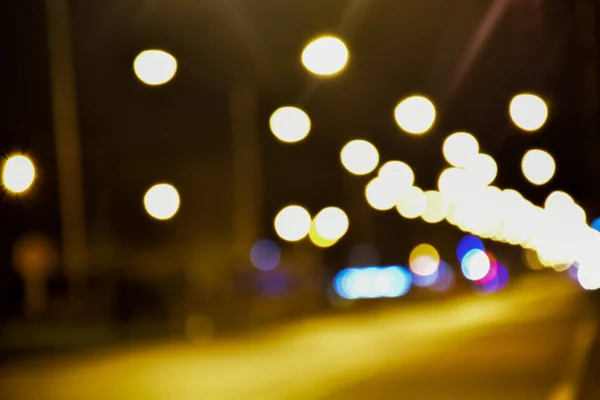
415 115
456 184
397 173
424 260
558 201
372 282
18 173
332 223
538 166
382 194
531 259
460 149
155 67
436 207
359 157
466 244
596 224
292 223
290 124
162 201
492 272
495 284
325 56
529 112
412 203
475 265
317 239
265 255
588 276
482 169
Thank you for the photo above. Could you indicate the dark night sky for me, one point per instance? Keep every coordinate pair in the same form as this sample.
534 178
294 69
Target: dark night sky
134 135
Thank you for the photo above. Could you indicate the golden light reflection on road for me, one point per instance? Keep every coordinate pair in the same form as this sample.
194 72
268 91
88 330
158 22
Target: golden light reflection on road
314 358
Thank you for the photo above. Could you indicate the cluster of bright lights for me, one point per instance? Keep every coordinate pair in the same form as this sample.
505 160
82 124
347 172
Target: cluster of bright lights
428 269
480 267
293 223
394 179
372 282
557 233
394 187
470 169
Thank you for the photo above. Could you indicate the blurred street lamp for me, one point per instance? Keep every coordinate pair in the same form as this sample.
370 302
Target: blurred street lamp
528 111
398 173
331 223
18 173
162 201
482 169
293 223
460 148
290 124
319 240
155 67
436 207
383 194
359 157
325 56
415 115
412 203
424 260
538 166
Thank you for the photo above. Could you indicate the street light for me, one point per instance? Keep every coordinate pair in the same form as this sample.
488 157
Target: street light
482 169
292 223
460 148
155 67
538 166
359 157
528 111
290 124
325 56
162 201
18 174
412 203
415 115
331 223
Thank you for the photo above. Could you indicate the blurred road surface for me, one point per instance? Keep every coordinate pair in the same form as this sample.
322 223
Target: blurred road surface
515 345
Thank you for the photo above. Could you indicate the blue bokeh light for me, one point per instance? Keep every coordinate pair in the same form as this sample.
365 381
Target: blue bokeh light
467 244
372 282
596 224
265 255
